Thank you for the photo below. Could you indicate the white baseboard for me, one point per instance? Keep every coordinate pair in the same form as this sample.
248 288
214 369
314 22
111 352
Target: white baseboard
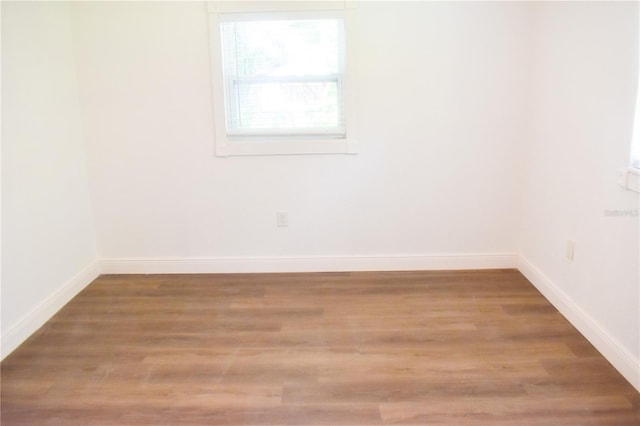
34 319
310 264
623 360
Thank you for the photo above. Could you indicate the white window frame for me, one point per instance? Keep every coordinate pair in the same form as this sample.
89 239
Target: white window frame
275 142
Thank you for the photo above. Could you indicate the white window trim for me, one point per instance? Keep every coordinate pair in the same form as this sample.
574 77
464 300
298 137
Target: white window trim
227 144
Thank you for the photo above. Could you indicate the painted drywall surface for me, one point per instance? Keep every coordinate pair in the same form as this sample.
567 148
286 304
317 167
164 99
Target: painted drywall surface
440 99
584 85
47 229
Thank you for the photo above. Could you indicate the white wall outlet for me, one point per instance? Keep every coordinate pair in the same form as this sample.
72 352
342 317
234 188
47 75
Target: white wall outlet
570 249
282 219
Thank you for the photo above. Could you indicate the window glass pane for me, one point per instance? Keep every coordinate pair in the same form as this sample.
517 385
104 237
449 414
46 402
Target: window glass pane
287 105
281 48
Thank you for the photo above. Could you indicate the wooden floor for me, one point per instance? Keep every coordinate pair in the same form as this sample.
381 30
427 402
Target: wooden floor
421 348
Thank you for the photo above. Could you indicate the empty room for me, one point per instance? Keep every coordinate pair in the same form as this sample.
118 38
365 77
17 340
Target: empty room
320 213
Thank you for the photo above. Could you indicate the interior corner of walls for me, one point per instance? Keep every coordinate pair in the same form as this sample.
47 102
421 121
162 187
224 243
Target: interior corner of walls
34 319
621 358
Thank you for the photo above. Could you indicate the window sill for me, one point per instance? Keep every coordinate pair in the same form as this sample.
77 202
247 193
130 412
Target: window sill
630 179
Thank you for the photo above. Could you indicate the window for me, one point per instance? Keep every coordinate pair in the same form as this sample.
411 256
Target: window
635 143
282 79
630 177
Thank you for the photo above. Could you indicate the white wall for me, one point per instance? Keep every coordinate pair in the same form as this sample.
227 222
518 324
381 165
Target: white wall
48 243
584 86
441 95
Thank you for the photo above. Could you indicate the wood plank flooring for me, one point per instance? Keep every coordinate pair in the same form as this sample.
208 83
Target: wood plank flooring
366 348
